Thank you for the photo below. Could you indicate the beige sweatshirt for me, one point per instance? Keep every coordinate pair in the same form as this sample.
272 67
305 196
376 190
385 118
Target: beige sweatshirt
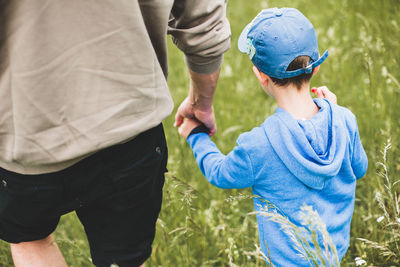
79 76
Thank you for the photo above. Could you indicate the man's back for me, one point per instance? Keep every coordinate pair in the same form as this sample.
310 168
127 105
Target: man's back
74 82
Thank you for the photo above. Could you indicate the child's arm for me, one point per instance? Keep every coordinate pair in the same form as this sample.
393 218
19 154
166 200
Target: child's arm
231 171
359 162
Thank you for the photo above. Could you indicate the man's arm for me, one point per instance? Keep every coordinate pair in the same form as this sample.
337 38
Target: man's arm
200 29
198 104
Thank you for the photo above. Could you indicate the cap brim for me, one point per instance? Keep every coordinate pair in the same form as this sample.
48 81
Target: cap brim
242 42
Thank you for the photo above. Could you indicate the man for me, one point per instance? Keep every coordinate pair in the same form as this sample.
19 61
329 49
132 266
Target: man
83 90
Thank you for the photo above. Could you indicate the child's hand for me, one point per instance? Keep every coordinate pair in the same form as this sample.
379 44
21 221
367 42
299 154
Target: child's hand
324 92
187 126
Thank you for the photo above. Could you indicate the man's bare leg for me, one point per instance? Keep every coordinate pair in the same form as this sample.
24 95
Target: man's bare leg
41 253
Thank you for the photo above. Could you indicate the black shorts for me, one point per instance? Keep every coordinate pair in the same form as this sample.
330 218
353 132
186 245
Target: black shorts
116 194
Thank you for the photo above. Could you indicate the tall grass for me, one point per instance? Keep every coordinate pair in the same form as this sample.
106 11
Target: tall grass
386 249
305 238
201 225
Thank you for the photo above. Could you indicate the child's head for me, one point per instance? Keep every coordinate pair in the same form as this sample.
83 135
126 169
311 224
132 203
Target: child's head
282 44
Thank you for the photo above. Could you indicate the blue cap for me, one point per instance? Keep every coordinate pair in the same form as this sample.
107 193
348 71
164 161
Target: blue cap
277 36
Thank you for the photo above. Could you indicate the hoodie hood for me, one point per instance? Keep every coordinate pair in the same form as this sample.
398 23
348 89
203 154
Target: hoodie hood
313 150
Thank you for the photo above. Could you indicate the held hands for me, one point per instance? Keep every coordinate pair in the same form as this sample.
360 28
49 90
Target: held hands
191 112
187 126
324 92
198 104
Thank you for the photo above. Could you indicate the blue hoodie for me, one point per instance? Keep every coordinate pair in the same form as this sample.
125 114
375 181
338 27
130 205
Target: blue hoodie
288 163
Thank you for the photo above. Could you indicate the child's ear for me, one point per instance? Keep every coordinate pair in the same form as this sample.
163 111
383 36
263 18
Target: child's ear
261 76
316 69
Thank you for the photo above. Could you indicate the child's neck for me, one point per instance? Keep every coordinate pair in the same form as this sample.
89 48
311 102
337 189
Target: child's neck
298 102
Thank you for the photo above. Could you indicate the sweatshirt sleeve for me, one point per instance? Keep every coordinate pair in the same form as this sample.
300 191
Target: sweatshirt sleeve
231 171
201 30
359 162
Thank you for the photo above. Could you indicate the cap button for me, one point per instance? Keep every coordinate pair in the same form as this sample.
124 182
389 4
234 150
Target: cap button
278 12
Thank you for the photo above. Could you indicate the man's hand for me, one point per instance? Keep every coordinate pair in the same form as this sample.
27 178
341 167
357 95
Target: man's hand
198 104
190 111
324 92
187 126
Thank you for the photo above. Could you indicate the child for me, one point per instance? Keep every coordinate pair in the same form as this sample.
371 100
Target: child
308 152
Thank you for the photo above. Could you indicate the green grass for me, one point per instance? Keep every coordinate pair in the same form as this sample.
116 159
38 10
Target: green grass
201 225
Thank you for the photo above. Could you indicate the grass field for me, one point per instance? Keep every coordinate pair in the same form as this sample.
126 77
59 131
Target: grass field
201 225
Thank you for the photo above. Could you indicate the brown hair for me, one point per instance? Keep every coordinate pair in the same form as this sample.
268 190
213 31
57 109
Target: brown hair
298 63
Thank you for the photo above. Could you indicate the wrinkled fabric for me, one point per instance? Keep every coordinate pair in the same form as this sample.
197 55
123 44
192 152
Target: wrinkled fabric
290 163
79 76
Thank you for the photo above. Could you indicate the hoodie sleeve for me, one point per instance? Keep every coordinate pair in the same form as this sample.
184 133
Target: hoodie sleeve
231 171
359 162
